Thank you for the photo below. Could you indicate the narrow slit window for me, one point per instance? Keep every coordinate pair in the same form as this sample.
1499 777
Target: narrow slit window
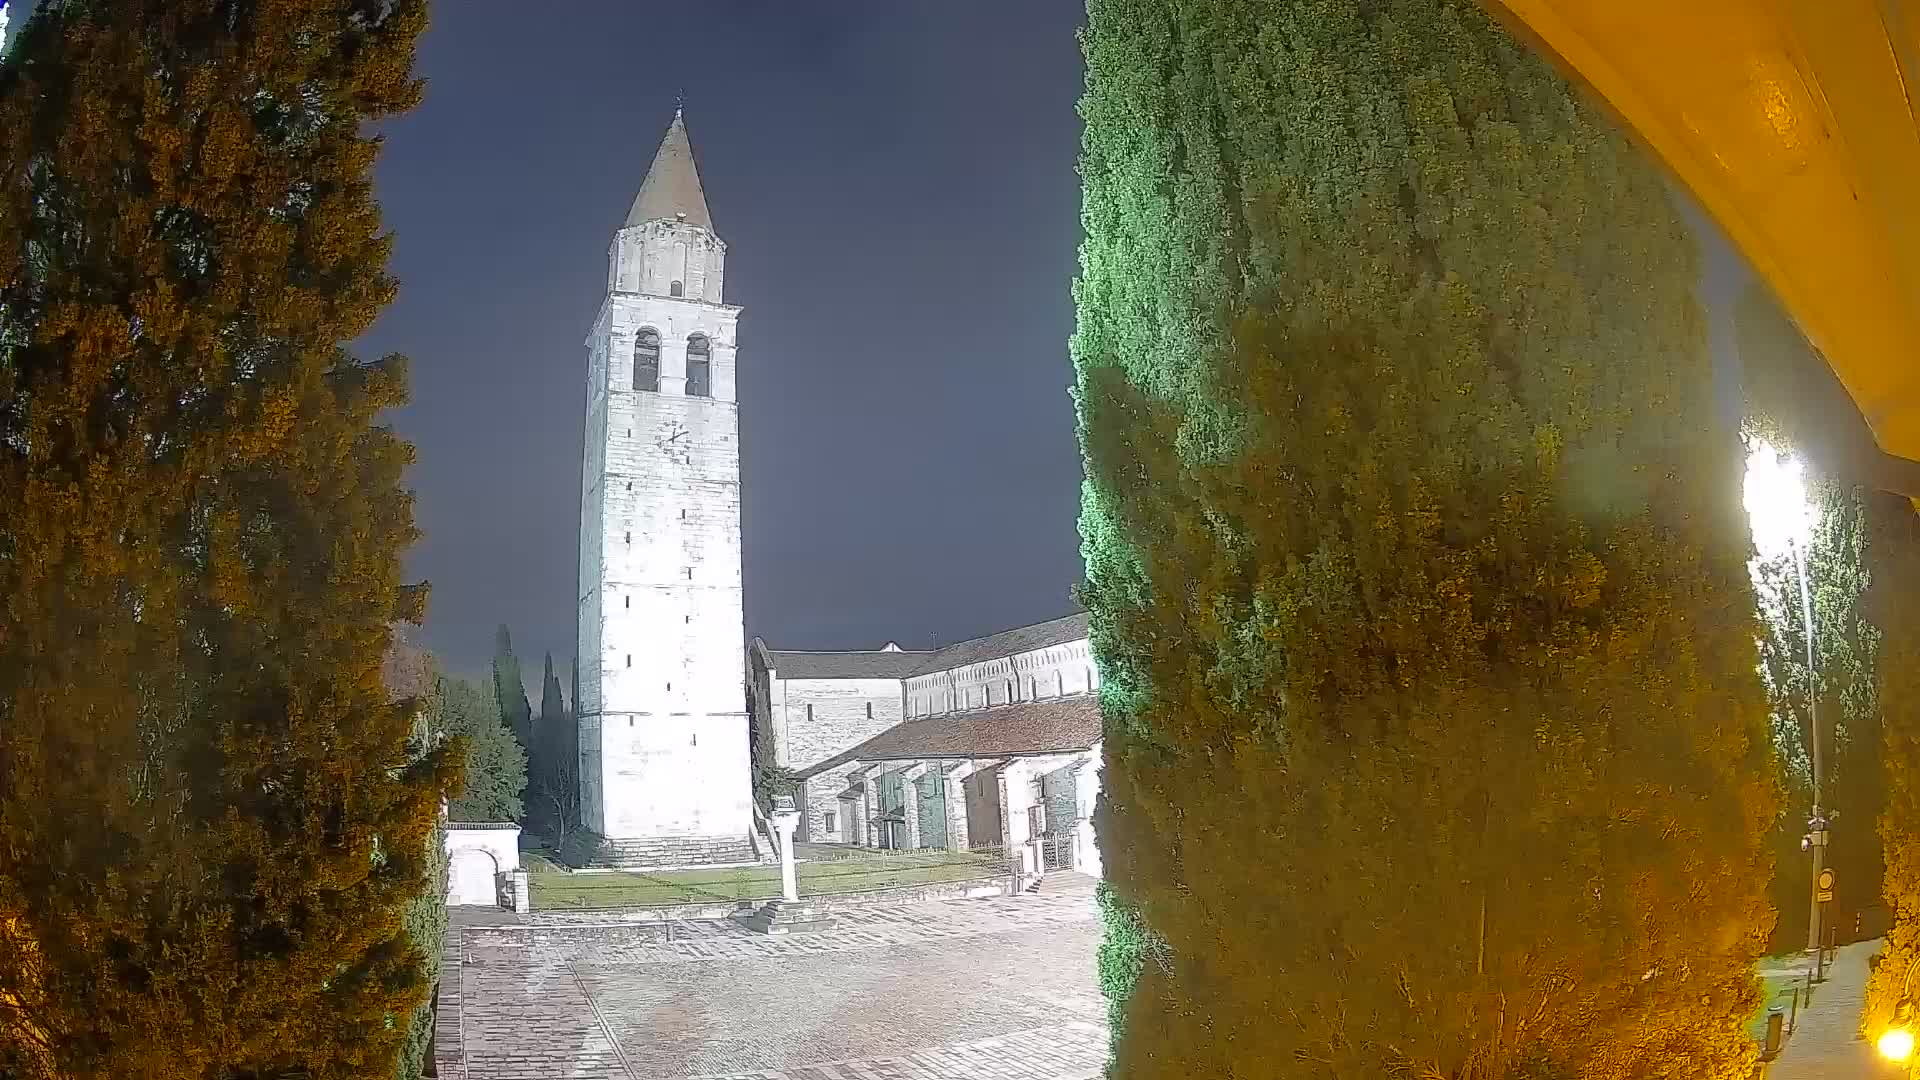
699 367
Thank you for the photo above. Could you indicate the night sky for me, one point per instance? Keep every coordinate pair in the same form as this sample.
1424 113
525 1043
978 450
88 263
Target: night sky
895 183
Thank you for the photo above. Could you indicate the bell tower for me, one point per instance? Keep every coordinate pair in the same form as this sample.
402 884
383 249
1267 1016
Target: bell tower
664 768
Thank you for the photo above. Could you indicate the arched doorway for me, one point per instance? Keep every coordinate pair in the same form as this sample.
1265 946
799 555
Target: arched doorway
472 877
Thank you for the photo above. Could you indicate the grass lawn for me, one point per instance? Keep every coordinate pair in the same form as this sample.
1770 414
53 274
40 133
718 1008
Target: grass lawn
1777 991
553 887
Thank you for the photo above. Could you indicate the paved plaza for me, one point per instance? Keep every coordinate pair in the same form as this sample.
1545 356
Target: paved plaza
1000 988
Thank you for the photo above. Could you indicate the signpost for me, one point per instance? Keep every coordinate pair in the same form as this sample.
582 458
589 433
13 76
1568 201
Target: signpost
1824 891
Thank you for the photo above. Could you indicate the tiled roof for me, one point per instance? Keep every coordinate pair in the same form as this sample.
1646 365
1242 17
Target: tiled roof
873 664
1029 727
895 664
1006 643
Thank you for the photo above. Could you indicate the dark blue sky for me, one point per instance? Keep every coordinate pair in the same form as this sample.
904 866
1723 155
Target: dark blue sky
895 182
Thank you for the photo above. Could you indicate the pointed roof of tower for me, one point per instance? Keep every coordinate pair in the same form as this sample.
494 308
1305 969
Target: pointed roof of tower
672 187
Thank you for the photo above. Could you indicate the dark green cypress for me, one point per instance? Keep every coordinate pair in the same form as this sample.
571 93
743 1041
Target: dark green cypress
1435 743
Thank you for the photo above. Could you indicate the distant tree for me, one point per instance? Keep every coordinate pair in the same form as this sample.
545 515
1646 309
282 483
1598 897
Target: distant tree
1780 374
554 784
1846 646
1435 744
510 691
496 767
211 821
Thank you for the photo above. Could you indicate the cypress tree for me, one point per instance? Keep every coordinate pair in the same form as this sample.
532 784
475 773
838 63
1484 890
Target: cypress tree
409 676
1893 554
1435 744
510 691
553 767
211 820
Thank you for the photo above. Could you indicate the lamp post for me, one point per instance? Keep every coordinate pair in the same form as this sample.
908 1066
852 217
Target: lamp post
1817 822
1896 1043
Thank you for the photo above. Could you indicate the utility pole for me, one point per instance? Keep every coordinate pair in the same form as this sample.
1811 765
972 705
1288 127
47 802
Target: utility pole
1816 841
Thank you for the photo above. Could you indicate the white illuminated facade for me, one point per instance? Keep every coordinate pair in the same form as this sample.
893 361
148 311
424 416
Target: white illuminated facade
665 772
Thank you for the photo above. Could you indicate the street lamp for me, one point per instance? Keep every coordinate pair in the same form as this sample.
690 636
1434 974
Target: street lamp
1781 516
1896 1043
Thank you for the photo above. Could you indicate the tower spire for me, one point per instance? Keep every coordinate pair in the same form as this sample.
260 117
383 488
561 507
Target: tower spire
672 190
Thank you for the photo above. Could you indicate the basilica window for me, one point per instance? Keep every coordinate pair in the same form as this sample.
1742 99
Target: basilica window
646 360
699 367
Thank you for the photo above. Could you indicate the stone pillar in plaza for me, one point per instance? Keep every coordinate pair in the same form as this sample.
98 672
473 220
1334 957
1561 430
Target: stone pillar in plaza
785 820
955 782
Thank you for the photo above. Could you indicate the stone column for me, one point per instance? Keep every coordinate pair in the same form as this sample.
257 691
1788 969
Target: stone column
522 895
1086 856
910 802
785 819
868 832
955 783
1016 796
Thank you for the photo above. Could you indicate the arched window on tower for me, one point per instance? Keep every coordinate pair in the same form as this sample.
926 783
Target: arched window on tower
676 289
699 367
646 360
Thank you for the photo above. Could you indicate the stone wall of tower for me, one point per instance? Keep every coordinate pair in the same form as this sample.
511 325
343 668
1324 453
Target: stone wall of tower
664 736
652 257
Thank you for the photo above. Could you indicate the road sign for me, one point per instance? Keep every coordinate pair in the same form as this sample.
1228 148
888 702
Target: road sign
1825 890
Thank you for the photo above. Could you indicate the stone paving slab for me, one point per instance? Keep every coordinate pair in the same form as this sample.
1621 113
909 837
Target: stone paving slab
997 988
1826 1042
1066 1052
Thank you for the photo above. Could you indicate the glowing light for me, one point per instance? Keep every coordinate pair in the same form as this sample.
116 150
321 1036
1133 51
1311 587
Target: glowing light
1776 500
1896 1044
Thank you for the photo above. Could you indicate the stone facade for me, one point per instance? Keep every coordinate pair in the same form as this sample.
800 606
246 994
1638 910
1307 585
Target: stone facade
662 710
944 749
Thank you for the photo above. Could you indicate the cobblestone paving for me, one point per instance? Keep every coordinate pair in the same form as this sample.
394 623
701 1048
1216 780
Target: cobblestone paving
1826 1043
1067 1052
1001 988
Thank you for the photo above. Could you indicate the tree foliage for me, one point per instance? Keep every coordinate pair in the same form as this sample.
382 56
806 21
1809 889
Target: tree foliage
495 776
1789 406
408 674
509 691
1894 558
554 766
211 818
1843 692
1435 744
